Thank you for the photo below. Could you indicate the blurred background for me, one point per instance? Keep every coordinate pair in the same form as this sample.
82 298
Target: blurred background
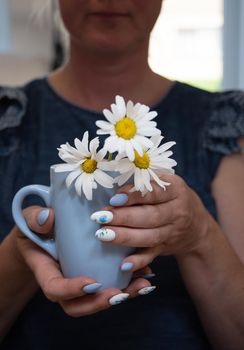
195 41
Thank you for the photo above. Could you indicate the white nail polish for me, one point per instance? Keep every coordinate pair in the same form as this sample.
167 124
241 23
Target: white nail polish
146 290
102 217
119 298
105 234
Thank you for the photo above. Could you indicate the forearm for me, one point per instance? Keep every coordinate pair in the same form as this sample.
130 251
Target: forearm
214 276
17 284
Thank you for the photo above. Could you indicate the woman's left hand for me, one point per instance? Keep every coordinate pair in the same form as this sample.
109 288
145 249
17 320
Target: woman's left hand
170 222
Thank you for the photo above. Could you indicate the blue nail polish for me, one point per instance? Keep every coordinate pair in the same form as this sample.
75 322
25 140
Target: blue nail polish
92 288
127 266
118 199
103 219
43 216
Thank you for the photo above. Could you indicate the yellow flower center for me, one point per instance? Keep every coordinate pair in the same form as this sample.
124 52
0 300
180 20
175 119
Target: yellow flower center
89 166
126 128
143 161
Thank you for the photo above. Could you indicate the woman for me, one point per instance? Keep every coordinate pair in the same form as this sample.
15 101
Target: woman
193 232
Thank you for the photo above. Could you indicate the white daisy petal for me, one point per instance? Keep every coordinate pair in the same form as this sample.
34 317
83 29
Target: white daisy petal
129 108
94 143
122 179
64 167
111 144
144 141
78 184
80 147
148 131
146 179
150 115
71 177
116 112
166 146
104 125
87 185
137 147
84 142
157 180
103 179
129 151
120 102
106 165
109 116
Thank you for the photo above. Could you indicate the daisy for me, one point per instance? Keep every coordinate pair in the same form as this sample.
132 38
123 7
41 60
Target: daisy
85 165
153 162
129 127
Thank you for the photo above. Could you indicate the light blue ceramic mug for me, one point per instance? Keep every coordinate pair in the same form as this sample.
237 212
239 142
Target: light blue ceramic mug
74 244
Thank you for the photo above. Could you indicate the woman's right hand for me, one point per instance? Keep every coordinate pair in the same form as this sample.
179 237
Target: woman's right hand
68 292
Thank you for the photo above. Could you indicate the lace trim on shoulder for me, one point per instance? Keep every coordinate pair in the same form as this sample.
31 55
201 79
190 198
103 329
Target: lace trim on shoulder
13 103
226 123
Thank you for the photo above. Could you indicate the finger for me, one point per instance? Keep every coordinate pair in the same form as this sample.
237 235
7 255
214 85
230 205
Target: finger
145 272
39 219
158 194
141 258
143 216
90 304
49 277
139 287
133 237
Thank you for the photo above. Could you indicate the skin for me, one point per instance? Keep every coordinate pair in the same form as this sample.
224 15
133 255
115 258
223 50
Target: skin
110 50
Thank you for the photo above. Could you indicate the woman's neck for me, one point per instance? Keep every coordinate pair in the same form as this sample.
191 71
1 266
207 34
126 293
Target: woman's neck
92 81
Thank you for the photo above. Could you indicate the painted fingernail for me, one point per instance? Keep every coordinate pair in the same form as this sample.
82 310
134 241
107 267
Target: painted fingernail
92 288
127 266
119 298
148 275
105 234
43 216
146 290
118 199
102 217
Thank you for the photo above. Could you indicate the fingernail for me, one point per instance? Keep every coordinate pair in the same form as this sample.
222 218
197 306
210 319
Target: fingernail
92 288
105 234
43 216
127 266
148 275
118 199
119 298
102 217
146 290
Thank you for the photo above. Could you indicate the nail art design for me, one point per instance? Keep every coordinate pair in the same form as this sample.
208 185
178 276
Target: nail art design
102 217
119 298
127 266
92 288
146 290
43 216
118 199
105 234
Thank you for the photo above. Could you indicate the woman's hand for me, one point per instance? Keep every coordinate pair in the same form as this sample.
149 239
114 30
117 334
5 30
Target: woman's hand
170 222
73 294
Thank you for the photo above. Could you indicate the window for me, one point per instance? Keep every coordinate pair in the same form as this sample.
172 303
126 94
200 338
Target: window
186 43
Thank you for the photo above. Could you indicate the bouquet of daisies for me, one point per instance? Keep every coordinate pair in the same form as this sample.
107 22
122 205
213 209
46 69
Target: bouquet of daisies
133 137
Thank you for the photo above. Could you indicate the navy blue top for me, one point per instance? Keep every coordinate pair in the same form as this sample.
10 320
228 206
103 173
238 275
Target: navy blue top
34 121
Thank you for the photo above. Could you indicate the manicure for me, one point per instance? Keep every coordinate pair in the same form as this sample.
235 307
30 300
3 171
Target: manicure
146 290
91 288
119 298
127 266
105 234
102 217
43 216
118 199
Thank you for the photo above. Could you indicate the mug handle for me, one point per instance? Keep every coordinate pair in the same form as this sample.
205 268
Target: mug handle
49 245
